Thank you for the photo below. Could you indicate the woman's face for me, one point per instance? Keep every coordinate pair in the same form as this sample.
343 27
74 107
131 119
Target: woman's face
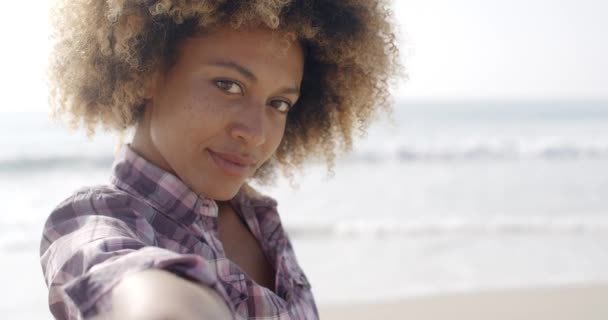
220 112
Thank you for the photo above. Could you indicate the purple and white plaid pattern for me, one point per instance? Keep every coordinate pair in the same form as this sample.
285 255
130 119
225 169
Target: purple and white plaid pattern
148 218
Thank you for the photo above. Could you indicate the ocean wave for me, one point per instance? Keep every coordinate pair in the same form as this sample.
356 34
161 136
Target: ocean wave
448 227
487 151
17 236
483 151
29 163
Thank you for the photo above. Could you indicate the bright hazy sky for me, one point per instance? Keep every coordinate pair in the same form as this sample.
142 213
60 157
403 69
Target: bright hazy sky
498 48
452 49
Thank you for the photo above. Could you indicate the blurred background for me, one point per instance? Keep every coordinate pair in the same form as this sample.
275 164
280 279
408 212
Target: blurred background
492 175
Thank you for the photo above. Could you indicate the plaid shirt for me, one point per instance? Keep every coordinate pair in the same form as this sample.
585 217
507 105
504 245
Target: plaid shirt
148 218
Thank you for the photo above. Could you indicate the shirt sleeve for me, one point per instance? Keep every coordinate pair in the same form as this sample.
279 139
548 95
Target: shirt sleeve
86 249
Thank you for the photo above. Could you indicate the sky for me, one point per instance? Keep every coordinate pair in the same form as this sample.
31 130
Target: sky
451 49
538 49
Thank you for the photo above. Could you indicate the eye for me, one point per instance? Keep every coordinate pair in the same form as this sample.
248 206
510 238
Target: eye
281 105
229 86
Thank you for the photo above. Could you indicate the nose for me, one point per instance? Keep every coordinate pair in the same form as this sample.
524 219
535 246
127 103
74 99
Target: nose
250 125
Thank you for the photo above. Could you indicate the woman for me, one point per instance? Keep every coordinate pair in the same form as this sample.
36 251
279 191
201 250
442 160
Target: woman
219 94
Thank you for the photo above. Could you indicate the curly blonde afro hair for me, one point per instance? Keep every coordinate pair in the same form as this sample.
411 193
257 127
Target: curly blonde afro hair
105 51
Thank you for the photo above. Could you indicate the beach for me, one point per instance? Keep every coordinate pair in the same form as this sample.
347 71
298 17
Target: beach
489 211
588 302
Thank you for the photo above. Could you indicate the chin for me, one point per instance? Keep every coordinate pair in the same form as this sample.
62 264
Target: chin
224 194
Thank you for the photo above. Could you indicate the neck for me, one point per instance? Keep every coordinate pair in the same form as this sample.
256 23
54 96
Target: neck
142 144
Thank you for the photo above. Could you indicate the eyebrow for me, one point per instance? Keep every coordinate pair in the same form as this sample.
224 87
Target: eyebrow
249 75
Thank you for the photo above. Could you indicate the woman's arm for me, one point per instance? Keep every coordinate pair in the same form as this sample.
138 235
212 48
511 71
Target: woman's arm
86 252
157 294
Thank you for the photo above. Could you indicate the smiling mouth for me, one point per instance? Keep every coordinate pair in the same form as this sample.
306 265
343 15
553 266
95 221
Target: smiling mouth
229 167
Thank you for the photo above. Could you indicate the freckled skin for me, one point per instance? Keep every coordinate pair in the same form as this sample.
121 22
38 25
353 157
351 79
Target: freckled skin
189 111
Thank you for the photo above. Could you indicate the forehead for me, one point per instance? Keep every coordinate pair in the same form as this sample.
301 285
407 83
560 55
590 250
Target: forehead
253 44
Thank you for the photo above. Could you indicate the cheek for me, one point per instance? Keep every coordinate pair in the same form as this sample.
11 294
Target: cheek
205 101
201 105
203 118
275 136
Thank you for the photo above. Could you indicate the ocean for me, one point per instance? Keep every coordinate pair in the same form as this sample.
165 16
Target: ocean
449 197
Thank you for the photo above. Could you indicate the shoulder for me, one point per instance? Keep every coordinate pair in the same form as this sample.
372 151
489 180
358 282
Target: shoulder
100 199
92 204
86 197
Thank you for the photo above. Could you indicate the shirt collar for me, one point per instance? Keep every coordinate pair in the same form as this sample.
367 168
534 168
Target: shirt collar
170 195
159 188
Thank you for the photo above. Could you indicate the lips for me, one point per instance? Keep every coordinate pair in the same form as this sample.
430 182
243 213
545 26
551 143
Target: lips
235 158
232 164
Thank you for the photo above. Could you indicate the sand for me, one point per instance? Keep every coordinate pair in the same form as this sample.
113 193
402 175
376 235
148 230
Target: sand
584 302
